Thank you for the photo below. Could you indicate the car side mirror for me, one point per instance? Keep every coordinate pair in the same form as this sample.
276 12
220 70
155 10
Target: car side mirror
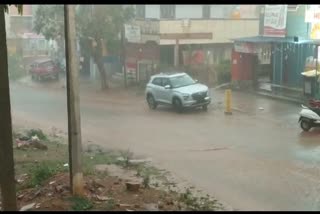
167 87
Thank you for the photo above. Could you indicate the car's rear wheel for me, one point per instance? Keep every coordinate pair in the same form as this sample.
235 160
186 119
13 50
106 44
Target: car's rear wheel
205 107
305 125
177 105
151 102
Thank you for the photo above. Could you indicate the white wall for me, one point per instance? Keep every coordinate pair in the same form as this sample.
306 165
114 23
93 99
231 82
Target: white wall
153 11
188 11
222 30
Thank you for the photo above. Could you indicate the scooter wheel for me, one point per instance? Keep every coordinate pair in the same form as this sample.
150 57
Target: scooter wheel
305 125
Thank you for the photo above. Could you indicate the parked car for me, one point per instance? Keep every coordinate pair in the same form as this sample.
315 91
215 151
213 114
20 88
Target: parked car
178 90
44 68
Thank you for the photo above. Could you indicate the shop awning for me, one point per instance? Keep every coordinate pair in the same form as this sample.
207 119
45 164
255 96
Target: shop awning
263 39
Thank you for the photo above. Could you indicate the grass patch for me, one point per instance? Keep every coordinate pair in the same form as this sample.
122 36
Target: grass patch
111 204
194 203
126 156
41 172
81 204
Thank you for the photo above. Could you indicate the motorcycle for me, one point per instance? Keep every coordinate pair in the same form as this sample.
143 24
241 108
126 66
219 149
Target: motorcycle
309 117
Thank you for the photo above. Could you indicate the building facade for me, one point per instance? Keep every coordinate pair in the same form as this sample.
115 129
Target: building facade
21 39
183 28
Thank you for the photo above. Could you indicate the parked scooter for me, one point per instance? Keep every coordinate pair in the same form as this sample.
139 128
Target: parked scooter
309 118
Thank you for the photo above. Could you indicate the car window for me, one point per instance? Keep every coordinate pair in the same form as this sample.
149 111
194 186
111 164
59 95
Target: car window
181 81
157 81
165 81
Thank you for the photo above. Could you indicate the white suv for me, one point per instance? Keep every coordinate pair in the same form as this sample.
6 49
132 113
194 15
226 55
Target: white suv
178 90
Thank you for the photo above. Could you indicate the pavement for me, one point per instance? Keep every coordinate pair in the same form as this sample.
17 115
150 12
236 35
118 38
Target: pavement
256 159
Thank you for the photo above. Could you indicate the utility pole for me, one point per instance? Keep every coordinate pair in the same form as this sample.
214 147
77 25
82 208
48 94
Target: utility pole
74 123
123 57
261 19
7 180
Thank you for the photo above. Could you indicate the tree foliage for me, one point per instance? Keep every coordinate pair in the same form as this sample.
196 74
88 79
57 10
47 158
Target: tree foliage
49 21
103 22
100 25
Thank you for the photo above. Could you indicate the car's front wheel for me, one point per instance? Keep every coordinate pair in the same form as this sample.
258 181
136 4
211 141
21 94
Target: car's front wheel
151 102
177 105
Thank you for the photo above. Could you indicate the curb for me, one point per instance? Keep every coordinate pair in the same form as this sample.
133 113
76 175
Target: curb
276 97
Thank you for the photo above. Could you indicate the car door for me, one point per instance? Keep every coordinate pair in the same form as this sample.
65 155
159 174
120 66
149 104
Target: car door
165 94
156 88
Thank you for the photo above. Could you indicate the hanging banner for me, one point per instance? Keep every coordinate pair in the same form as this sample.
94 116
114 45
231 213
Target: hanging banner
132 33
312 14
275 20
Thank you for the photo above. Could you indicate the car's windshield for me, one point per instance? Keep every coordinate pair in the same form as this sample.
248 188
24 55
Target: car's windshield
181 81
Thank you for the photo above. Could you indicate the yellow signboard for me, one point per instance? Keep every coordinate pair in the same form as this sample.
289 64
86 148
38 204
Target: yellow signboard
315 31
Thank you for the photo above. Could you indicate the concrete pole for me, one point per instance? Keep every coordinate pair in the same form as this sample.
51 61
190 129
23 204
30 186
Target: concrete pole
261 19
7 180
176 53
123 57
74 124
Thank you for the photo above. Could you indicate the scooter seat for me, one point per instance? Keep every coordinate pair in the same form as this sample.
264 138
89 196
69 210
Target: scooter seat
316 110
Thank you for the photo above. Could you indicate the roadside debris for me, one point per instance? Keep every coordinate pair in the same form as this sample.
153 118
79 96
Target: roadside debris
133 186
30 142
30 139
27 207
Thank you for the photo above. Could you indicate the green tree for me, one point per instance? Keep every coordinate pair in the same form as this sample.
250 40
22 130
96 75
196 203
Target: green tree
96 27
49 21
102 25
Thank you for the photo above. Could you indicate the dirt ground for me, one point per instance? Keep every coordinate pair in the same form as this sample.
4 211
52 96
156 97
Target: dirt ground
43 181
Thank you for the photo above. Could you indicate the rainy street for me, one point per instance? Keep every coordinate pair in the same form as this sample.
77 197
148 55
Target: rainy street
256 159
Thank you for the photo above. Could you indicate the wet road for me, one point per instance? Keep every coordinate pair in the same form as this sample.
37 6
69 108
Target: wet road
252 160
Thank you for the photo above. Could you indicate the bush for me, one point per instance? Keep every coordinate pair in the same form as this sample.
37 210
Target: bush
224 71
40 173
38 132
15 67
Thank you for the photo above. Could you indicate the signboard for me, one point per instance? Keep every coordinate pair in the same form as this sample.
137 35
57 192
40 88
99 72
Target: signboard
275 19
132 33
312 14
315 31
243 47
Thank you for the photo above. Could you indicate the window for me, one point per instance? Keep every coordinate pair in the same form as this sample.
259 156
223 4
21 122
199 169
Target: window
157 81
167 11
140 11
206 11
165 81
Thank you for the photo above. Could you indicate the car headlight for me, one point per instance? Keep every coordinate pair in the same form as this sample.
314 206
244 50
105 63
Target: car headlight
185 96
